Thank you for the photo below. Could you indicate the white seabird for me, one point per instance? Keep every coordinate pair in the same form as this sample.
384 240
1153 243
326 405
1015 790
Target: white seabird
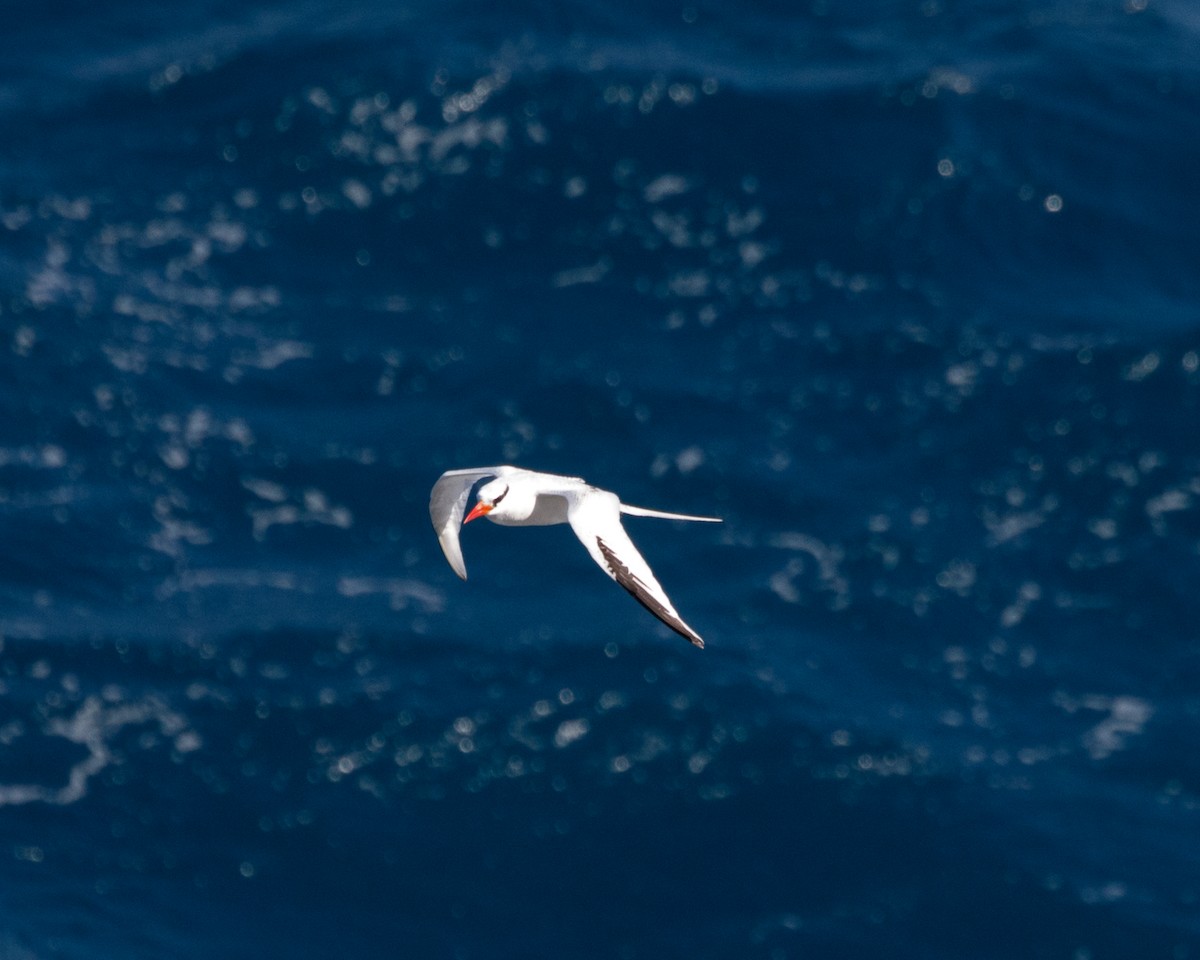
514 497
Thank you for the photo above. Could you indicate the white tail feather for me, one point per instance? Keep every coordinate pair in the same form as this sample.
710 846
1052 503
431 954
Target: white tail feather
663 515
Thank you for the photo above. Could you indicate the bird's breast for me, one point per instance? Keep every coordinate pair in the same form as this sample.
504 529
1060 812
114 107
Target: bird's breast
542 512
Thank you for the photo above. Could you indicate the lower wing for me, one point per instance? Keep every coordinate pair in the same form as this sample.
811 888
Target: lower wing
596 520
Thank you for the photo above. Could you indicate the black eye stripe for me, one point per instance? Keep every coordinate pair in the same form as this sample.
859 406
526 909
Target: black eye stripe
501 497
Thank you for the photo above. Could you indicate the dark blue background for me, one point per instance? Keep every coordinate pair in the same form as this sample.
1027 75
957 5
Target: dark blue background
907 293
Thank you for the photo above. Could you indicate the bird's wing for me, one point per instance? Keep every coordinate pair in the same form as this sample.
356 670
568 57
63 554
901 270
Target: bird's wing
595 516
448 503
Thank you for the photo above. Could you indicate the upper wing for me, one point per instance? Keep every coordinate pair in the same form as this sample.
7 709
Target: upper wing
596 520
448 503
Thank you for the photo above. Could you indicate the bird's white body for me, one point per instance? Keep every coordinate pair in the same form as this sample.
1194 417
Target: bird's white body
514 497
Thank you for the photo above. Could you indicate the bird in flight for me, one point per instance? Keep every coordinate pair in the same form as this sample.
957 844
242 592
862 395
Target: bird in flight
514 497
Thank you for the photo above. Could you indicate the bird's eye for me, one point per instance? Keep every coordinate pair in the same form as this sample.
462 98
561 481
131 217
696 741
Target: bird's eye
500 497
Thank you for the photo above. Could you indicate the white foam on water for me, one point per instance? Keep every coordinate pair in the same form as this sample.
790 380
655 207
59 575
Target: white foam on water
93 726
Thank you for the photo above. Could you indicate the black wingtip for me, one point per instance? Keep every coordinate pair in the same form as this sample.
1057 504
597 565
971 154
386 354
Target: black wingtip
638 591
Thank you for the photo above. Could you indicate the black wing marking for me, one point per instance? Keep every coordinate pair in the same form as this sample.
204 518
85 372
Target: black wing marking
644 597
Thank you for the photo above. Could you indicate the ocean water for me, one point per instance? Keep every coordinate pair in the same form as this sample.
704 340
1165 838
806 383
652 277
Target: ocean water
907 293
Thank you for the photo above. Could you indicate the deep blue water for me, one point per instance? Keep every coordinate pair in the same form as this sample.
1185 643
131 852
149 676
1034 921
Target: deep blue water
908 293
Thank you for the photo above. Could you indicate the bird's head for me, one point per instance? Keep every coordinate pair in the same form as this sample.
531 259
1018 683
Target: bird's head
489 497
